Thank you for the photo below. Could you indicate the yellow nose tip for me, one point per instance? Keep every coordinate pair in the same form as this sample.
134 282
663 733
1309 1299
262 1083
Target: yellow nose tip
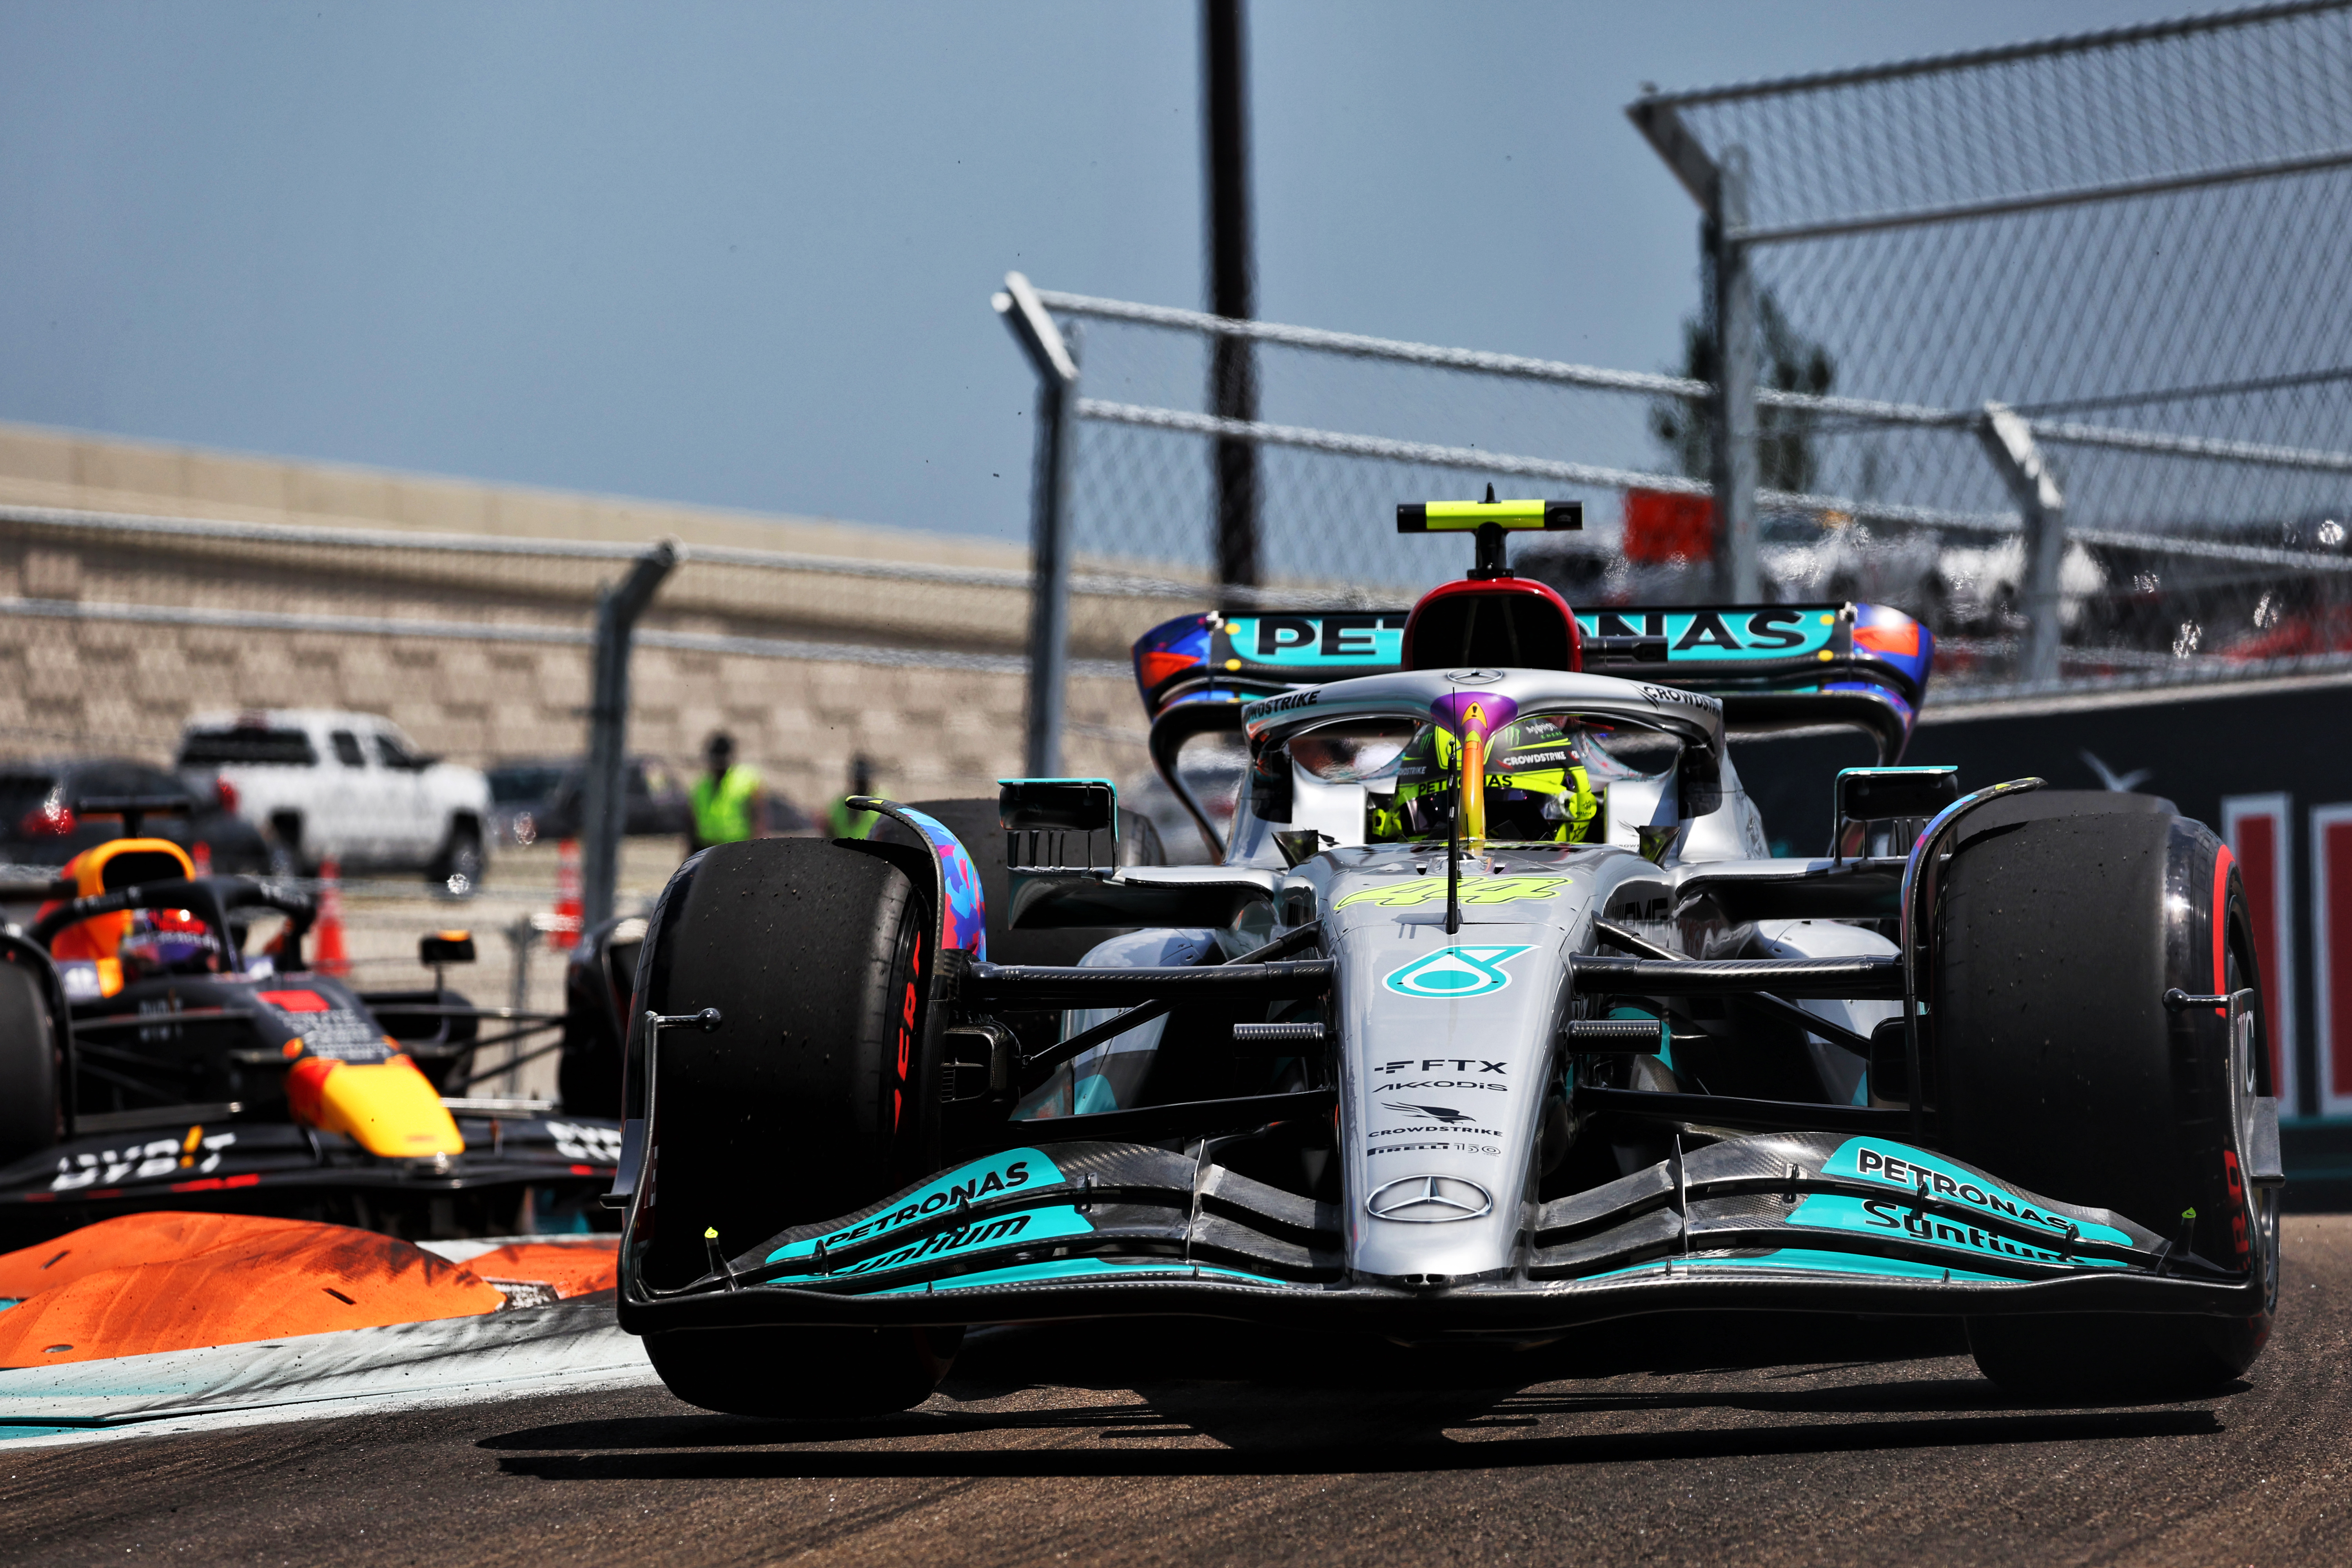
387 1107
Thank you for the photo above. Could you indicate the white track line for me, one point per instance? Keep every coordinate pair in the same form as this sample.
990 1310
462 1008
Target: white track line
571 1347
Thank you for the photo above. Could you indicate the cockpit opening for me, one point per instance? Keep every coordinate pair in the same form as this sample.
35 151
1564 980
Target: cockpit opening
1547 777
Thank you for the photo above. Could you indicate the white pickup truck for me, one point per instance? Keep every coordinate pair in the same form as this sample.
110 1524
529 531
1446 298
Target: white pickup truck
351 787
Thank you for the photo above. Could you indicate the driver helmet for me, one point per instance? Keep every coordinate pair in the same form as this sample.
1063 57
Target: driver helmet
167 941
1539 787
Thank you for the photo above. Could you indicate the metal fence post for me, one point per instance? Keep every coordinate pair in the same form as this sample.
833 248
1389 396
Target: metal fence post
1049 498
605 797
1732 306
1232 360
2008 440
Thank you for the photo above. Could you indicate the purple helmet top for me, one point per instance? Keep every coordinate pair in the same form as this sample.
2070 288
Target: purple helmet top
1485 712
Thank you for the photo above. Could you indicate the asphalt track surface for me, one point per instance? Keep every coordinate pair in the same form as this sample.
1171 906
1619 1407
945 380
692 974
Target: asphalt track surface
1710 1440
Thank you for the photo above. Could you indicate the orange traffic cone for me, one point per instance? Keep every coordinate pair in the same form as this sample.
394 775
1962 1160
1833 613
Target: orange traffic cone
327 953
566 931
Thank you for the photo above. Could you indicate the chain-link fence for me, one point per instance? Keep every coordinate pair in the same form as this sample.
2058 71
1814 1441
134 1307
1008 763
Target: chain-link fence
2046 337
1350 425
2134 240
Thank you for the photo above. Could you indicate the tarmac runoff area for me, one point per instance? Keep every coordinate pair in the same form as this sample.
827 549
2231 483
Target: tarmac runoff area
538 1436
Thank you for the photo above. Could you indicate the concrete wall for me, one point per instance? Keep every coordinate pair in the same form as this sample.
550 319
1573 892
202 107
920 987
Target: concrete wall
102 683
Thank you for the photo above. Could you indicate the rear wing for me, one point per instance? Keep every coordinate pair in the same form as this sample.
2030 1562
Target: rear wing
1776 666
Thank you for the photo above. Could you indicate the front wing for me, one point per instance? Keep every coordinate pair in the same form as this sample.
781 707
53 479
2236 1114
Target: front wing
1820 1222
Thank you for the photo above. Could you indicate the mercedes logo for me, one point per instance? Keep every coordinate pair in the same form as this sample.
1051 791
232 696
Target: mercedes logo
1428 1200
1474 676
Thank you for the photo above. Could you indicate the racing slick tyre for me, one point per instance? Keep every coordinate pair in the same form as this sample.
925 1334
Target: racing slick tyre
2062 923
980 831
806 1101
30 1109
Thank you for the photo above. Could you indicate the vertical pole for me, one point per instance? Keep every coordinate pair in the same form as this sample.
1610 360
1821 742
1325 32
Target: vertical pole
1732 306
521 939
1049 592
1233 361
2009 441
1049 503
606 802
2045 553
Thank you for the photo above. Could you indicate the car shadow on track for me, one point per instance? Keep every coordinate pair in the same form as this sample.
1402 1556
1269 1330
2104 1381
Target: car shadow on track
1191 1397
1356 1457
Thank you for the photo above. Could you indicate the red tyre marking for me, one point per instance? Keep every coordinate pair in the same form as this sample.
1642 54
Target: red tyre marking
2258 873
2222 861
907 1029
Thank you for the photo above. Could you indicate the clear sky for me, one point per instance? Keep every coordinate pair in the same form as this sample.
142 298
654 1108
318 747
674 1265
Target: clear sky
739 254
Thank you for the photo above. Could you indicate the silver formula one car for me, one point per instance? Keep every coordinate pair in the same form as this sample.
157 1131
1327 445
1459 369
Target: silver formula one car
1494 1018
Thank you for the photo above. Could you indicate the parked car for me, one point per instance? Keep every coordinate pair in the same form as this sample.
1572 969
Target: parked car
1980 589
520 793
50 811
1807 558
658 803
321 784
1959 587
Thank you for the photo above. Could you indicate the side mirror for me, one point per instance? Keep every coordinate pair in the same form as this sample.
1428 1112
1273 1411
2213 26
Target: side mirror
1885 795
445 947
1039 808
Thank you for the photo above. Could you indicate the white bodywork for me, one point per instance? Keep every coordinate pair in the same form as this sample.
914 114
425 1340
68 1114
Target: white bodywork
367 798
1444 1098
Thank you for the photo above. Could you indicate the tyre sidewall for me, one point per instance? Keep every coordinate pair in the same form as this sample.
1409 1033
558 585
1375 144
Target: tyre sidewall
2057 1065
31 1109
805 1101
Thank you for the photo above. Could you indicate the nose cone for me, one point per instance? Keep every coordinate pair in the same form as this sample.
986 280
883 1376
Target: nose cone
1449 1052
386 1108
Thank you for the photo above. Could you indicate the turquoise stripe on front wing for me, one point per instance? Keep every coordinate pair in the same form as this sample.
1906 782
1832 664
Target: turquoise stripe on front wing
1903 1169
1025 1228
1889 1217
1016 1170
1059 1269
